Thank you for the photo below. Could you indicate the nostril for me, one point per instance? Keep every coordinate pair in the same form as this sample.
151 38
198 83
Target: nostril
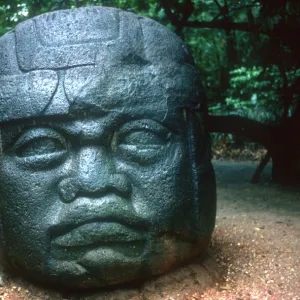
117 184
71 188
68 189
121 183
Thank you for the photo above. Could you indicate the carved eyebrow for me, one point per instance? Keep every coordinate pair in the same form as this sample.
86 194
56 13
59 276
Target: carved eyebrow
79 132
145 124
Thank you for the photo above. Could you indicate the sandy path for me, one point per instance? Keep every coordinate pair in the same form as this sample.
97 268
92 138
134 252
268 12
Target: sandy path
255 251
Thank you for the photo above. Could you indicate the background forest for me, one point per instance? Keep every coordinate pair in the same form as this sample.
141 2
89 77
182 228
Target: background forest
247 53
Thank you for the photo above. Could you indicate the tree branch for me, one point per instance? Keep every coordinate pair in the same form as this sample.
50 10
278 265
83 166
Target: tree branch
235 9
171 16
223 25
180 16
277 31
218 4
257 131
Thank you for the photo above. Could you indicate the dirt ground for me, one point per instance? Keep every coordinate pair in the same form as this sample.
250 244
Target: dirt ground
254 254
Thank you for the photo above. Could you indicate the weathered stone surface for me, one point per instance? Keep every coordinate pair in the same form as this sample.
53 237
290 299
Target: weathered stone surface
105 173
26 95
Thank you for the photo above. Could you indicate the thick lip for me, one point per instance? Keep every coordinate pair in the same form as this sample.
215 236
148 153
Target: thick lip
99 232
104 217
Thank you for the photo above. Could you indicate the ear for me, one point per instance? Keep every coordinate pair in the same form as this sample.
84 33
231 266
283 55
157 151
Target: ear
1 147
2 247
202 171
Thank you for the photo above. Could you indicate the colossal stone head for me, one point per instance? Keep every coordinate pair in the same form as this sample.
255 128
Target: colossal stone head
105 172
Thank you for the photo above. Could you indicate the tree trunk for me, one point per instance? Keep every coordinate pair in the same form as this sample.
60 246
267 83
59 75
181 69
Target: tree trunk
286 153
285 169
282 142
260 168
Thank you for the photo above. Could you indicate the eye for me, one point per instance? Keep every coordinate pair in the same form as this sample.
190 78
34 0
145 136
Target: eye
142 141
40 147
143 138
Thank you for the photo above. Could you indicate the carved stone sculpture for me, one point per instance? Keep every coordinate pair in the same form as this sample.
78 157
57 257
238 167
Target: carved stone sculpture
105 172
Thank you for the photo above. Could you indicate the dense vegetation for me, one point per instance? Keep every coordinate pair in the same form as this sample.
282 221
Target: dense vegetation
247 52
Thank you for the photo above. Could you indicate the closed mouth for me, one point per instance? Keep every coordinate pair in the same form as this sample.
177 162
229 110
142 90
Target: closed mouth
106 233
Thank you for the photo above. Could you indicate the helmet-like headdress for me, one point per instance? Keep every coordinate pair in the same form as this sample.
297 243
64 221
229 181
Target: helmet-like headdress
46 64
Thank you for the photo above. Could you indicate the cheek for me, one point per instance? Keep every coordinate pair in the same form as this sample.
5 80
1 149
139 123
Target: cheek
162 192
26 196
27 207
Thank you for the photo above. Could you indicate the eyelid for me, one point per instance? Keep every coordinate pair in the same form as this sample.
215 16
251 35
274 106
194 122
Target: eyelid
148 125
34 133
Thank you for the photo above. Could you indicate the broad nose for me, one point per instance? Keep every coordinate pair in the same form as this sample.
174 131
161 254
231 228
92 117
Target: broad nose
95 176
95 167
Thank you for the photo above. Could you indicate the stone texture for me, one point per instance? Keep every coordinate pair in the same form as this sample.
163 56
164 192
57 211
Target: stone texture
105 172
